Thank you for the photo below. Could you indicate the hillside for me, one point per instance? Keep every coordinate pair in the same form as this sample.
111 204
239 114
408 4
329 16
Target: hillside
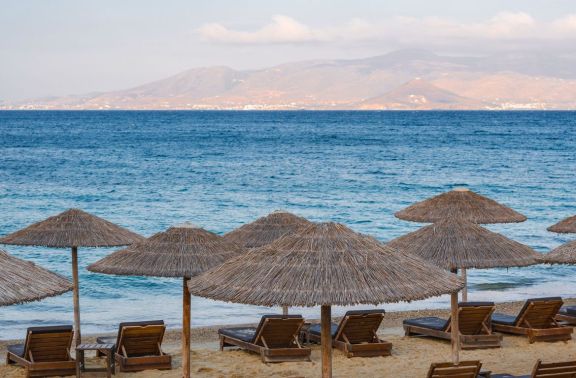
408 79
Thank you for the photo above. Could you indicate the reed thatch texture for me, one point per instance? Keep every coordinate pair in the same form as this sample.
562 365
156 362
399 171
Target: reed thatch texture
456 244
267 229
460 204
72 228
23 281
566 226
323 264
180 251
564 254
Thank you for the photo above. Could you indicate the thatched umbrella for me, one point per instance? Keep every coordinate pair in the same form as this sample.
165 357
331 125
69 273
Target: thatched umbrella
460 203
564 254
323 264
72 229
23 281
266 229
181 251
457 244
566 226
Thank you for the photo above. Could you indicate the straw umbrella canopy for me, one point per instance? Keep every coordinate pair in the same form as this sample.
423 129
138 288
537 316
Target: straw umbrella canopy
323 264
72 229
566 226
181 251
266 229
460 203
564 254
22 281
457 244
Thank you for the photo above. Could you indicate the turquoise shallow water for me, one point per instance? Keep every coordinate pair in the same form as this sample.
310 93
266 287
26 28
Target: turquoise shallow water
149 170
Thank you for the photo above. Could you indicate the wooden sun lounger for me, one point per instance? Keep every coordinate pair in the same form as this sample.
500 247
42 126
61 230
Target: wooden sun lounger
536 320
465 369
549 370
114 339
567 315
473 323
275 338
139 348
356 335
46 352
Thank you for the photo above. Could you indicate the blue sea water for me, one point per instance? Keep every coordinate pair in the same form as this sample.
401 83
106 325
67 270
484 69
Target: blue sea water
149 170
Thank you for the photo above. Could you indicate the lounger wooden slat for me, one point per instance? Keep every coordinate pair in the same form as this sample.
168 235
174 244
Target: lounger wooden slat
356 335
474 326
138 348
547 370
275 338
536 319
465 369
45 352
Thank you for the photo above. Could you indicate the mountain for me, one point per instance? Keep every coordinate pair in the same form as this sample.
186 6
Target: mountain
418 94
406 79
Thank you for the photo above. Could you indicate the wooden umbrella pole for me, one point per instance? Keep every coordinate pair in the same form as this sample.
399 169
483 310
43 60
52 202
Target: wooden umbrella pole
326 341
284 310
76 295
186 329
465 289
454 328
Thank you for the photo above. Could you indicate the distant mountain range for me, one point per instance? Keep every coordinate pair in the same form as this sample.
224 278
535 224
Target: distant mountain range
405 80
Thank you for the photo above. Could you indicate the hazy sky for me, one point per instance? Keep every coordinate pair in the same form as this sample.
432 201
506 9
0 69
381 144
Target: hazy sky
58 47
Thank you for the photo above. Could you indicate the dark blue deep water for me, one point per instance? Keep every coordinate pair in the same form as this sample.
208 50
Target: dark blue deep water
149 170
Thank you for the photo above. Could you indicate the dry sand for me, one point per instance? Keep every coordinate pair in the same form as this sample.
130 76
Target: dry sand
411 357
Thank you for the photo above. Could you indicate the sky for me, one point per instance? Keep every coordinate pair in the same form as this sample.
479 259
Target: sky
61 47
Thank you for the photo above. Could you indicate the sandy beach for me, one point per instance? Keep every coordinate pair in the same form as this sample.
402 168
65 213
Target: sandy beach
411 357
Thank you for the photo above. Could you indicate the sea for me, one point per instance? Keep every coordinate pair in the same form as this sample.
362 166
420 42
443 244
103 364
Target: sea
148 170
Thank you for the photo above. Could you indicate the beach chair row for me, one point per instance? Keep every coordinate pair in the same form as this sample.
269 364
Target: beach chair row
277 336
281 338
540 319
472 369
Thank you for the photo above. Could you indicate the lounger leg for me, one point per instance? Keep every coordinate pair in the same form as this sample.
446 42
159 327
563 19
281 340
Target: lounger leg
221 343
407 331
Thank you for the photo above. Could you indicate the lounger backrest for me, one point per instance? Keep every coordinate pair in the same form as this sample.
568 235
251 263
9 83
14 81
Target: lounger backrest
141 323
48 344
539 313
555 370
137 341
474 317
278 331
359 326
465 369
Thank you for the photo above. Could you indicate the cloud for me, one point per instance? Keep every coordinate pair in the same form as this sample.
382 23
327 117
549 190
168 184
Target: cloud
282 29
504 27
